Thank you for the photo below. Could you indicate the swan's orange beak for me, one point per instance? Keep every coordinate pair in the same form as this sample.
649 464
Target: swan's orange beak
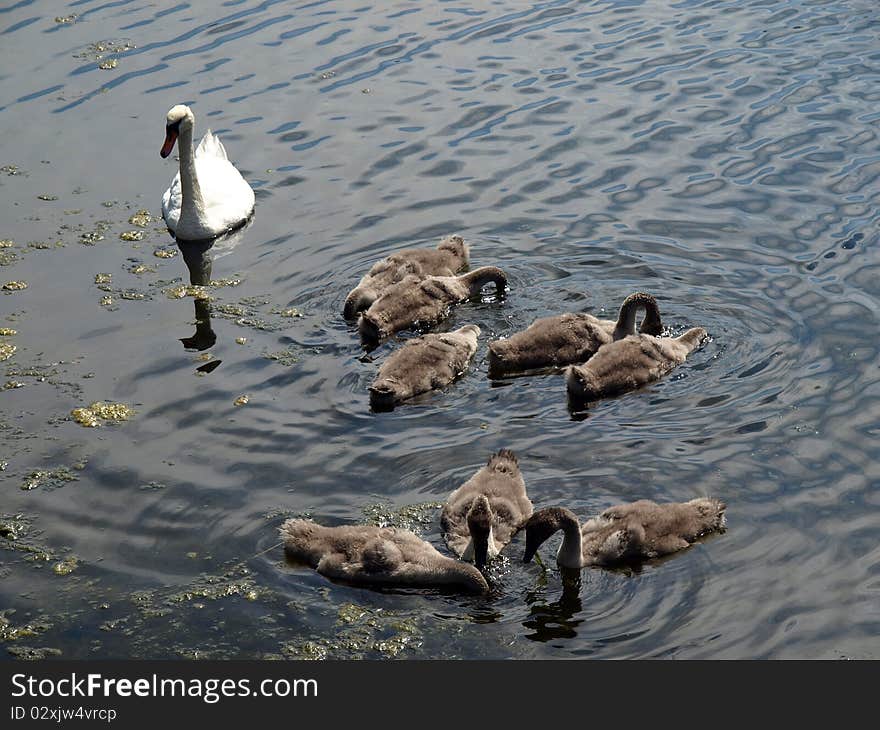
170 139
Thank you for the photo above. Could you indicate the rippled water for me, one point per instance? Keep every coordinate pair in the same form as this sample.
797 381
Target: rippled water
722 155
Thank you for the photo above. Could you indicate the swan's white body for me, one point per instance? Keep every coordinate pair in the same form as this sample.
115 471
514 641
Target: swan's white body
208 196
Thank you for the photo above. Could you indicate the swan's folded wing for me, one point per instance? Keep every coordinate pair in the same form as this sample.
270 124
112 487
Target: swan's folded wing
171 202
211 146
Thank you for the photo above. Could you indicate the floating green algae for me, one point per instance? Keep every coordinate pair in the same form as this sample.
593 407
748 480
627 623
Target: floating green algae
15 533
90 238
141 219
48 478
229 281
165 253
15 285
8 332
108 64
132 235
362 632
8 632
7 350
32 653
289 313
287 357
409 517
187 290
139 269
132 295
65 566
100 412
103 278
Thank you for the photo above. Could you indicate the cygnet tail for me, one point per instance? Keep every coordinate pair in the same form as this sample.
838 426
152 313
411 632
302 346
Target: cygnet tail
693 338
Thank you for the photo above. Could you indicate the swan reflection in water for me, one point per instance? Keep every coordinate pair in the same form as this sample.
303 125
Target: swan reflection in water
559 619
199 257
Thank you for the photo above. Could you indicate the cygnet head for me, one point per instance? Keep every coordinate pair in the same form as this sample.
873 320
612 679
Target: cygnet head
479 519
179 117
541 525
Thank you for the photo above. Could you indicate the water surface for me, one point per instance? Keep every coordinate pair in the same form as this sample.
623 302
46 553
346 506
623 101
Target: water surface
721 155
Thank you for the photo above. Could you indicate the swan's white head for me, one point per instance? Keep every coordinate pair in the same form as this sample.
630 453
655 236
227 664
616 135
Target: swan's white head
178 117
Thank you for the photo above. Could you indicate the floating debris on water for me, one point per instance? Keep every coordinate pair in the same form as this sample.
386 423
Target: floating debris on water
142 269
132 295
48 478
8 632
141 219
165 253
101 411
11 385
64 19
85 417
103 278
15 285
66 566
240 340
132 235
97 51
242 400
288 357
106 301
187 290
11 170
107 65
47 196
361 632
290 313
408 517
8 332
42 245
231 281
7 243
90 238
32 653
7 350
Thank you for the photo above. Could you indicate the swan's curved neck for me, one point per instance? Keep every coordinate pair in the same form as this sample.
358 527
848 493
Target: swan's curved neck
189 180
626 320
570 554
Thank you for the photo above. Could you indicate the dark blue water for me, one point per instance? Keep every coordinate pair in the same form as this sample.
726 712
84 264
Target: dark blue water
721 155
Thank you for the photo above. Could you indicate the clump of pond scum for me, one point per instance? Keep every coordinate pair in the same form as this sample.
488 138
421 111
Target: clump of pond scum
361 632
413 517
141 219
48 478
101 412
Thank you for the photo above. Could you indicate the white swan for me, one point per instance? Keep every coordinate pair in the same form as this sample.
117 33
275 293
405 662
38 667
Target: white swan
208 196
